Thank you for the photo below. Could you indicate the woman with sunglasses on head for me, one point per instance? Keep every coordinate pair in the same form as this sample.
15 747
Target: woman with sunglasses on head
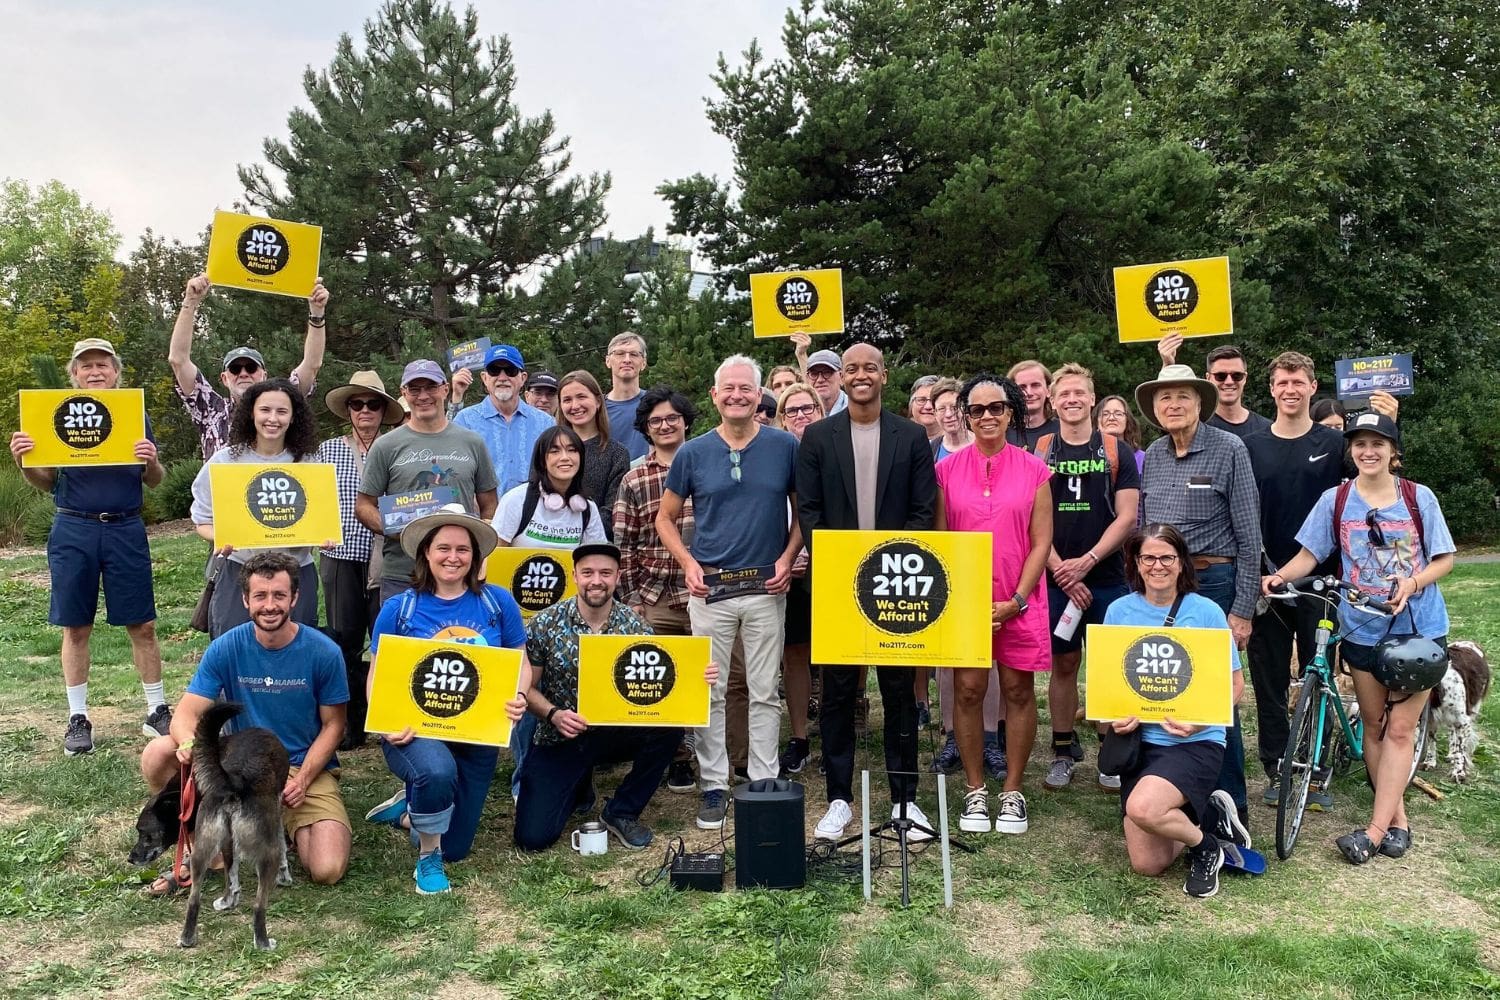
580 406
1168 802
1113 416
272 424
991 486
351 593
1394 545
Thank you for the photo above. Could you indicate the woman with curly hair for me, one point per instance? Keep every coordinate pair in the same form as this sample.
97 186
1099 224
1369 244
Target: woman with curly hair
271 424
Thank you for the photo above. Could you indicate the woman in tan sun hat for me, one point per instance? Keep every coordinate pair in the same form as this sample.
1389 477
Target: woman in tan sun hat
350 604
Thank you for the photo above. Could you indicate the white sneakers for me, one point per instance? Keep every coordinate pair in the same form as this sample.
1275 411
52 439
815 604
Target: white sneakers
1012 815
834 821
916 834
976 815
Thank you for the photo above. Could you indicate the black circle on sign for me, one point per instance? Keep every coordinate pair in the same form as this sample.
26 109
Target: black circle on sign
1171 295
797 297
82 422
538 583
444 683
263 249
1158 667
902 587
644 673
276 499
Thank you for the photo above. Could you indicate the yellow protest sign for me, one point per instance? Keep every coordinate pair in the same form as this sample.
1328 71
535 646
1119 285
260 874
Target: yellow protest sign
643 680
444 690
902 599
786 302
264 255
82 426
1190 297
536 578
273 506
1155 673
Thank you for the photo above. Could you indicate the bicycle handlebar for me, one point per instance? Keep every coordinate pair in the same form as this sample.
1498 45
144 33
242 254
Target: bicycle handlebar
1323 588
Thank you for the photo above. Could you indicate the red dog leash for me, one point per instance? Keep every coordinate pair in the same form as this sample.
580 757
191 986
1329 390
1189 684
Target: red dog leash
189 803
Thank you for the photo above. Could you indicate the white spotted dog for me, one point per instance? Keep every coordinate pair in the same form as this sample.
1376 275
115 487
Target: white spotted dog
1455 707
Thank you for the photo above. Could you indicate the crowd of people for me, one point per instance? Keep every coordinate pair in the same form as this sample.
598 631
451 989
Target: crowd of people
1088 525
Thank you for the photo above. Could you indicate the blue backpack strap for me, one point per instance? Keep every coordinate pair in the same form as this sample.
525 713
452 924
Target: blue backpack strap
407 608
491 605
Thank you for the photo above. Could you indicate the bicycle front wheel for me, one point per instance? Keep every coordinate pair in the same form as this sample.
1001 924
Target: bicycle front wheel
1298 764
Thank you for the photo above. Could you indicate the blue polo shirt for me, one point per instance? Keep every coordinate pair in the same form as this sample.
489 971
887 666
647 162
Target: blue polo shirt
509 441
101 489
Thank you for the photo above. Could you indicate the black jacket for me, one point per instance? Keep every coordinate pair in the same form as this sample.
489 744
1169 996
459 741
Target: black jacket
905 487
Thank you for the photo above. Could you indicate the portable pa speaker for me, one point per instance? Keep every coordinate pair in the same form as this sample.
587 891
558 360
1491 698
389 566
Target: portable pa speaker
768 831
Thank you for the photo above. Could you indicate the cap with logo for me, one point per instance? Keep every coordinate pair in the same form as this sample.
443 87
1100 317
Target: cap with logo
824 359
1375 423
93 344
243 352
506 353
424 369
541 380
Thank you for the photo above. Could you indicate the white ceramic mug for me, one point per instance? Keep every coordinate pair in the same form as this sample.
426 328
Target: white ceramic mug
591 838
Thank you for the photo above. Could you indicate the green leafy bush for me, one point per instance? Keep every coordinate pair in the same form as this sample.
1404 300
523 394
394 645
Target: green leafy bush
172 499
25 511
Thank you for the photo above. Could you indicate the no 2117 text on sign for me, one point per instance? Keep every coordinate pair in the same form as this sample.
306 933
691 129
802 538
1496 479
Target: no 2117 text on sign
903 599
273 506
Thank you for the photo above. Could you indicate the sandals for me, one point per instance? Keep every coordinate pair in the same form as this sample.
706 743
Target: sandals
1356 847
170 883
1396 842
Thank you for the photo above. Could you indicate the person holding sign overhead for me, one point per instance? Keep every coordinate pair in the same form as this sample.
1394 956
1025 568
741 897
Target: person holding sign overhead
1168 802
243 366
98 533
866 469
1002 489
446 783
558 777
272 424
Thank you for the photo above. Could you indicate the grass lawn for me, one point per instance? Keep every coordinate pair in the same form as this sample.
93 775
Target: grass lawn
1056 913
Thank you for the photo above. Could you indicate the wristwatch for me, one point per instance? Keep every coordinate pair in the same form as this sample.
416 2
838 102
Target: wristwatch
1020 603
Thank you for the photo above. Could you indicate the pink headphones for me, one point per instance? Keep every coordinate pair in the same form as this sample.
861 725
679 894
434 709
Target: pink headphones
554 501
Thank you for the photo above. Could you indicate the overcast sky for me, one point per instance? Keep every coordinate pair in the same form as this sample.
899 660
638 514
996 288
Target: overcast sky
146 108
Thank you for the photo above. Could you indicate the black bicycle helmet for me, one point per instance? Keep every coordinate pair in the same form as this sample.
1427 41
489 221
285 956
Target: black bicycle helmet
1409 663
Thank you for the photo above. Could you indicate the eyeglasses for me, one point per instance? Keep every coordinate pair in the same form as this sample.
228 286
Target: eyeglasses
1235 377
633 355
666 420
805 410
1111 414
1165 561
355 405
734 465
1377 536
242 368
977 410
423 388
820 374
503 369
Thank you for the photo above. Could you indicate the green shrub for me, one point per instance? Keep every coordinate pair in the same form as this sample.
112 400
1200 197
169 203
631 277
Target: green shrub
24 509
36 521
172 499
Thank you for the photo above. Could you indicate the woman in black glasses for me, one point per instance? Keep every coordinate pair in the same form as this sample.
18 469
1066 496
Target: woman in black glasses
1004 490
1394 545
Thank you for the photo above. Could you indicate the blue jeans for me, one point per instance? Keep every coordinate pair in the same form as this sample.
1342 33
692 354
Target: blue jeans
520 745
446 785
554 773
1216 583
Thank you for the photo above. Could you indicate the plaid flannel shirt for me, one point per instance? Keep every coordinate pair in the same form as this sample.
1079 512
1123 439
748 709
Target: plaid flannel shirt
648 573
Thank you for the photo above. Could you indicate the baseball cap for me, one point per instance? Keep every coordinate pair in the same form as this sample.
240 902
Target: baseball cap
1375 423
542 380
596 549
508 353
243 352
422 368
825 359
93 344
767 403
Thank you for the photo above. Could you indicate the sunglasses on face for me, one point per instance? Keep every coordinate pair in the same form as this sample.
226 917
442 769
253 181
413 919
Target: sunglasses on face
355 405
1235 377
977 410
503 369
243 368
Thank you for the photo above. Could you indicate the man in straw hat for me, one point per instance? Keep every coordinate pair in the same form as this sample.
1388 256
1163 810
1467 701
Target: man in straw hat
350 598
1198 479
98 532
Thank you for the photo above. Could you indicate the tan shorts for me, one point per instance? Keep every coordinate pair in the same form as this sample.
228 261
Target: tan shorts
321 802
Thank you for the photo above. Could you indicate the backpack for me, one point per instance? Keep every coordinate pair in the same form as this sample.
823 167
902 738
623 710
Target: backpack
1405 488
1043 450
528 509
409 607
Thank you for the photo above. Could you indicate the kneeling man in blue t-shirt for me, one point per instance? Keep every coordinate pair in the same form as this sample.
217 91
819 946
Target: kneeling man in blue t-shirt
291 681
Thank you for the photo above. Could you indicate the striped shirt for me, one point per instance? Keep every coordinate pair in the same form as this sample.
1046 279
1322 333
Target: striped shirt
347 467
1209 495
648 573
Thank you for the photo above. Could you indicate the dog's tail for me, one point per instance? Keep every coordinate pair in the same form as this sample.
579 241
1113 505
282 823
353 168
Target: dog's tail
208 767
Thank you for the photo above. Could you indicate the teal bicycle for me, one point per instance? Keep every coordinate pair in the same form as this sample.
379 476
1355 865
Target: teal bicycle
1324 740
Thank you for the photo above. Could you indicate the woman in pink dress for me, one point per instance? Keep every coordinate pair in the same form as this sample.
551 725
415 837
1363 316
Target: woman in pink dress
1004 490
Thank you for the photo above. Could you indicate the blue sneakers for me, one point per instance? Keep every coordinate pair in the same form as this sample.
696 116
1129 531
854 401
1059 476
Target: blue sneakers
389 812
431 879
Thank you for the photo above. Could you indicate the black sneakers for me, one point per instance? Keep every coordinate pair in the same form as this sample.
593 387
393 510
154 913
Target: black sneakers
159 722
80 736
1204 862
796 755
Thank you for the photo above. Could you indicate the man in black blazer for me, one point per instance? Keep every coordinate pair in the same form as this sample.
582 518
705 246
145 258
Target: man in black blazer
865 469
